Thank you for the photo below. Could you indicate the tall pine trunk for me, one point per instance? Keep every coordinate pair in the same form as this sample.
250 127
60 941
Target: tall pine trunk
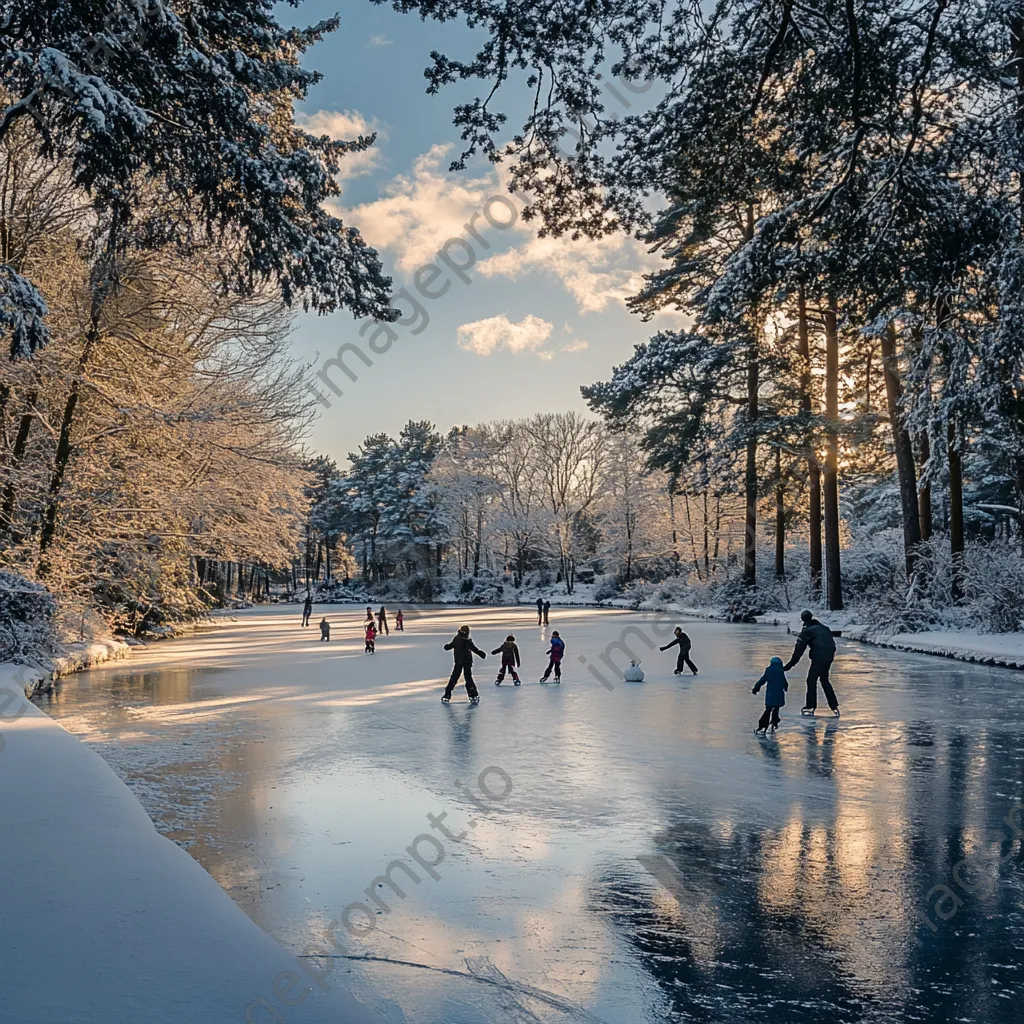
780 518
813 469
904 450
17 454
924 493
830 483
956 509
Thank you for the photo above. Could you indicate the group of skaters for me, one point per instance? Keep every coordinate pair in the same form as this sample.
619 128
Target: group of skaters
463 649
814 637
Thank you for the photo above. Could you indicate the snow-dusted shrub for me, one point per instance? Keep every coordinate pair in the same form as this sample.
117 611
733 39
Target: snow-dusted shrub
27 611
605 588
994 587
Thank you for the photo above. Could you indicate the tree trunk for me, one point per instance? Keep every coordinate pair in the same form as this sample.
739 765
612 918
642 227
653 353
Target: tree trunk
924 494
813 469
833 569
17 453
956 510
750 475
904 451
63 455
707 555
780 519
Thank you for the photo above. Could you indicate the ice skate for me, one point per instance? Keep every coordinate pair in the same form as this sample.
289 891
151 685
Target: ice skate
474 700
497 682
516 682
446 700
807 711
835 712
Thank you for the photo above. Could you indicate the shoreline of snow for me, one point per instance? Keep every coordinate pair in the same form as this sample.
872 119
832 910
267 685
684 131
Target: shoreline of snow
138 928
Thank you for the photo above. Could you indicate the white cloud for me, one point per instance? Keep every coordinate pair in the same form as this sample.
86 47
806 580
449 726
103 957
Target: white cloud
421 210
346 126
379 40
579 345
595 273
498 332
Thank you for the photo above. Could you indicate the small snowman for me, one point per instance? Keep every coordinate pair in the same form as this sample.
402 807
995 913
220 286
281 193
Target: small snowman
634 674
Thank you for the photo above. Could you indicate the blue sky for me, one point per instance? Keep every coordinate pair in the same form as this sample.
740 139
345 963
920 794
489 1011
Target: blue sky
537 319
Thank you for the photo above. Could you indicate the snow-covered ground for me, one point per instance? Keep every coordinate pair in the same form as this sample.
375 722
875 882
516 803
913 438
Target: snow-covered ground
105 921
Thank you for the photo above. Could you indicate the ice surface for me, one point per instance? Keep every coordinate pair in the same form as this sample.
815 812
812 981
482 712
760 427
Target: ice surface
654 861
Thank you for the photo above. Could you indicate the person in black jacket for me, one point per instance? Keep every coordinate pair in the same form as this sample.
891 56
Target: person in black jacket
307 608
540 610
509 652
684 652
463 650
817 638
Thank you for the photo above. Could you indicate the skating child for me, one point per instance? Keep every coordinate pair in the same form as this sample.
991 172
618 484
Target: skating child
775 683
382 621
399 622
683 642
554 653
509 652
325 629
463 650
371 636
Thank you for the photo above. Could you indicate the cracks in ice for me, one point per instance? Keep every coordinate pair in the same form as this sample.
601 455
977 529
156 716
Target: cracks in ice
481 970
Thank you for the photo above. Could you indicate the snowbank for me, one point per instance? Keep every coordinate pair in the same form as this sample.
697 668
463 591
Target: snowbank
108 922
1006 649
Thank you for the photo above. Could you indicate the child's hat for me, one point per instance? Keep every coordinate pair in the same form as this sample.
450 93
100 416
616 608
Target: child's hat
554 632
777 661
510 637
464 630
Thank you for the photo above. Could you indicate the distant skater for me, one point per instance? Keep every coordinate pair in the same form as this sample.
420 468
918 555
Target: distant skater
371 637
818 637
325 629
554 653
540 611
399 622
776 684
307 609
382 621
509 652
547 611
463 650
683 642
369 614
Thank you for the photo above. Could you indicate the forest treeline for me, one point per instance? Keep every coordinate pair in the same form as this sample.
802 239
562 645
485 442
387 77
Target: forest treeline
835 188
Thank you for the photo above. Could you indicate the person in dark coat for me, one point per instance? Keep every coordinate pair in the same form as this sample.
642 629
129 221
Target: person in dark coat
683 641
555 654
547 611
540 610
369 614
462 649
776 684
399 621
509 652
816 638
325 629
307 609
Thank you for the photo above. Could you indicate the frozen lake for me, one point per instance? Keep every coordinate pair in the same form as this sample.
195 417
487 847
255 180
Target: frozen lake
625 855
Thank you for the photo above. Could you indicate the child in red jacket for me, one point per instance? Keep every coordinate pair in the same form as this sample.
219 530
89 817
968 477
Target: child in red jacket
371 636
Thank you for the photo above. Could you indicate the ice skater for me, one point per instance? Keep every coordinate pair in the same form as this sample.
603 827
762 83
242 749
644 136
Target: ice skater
509 652
382 621
683 660
818 637
547 611
776 684
325 629
307 609
540 611
554 653
399 622
463 650
369 614
371 637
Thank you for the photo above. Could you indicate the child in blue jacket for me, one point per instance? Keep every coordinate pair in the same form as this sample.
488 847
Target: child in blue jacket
775 683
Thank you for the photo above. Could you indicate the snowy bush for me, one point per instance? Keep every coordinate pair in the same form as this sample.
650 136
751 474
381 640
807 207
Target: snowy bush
994 586
27 612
